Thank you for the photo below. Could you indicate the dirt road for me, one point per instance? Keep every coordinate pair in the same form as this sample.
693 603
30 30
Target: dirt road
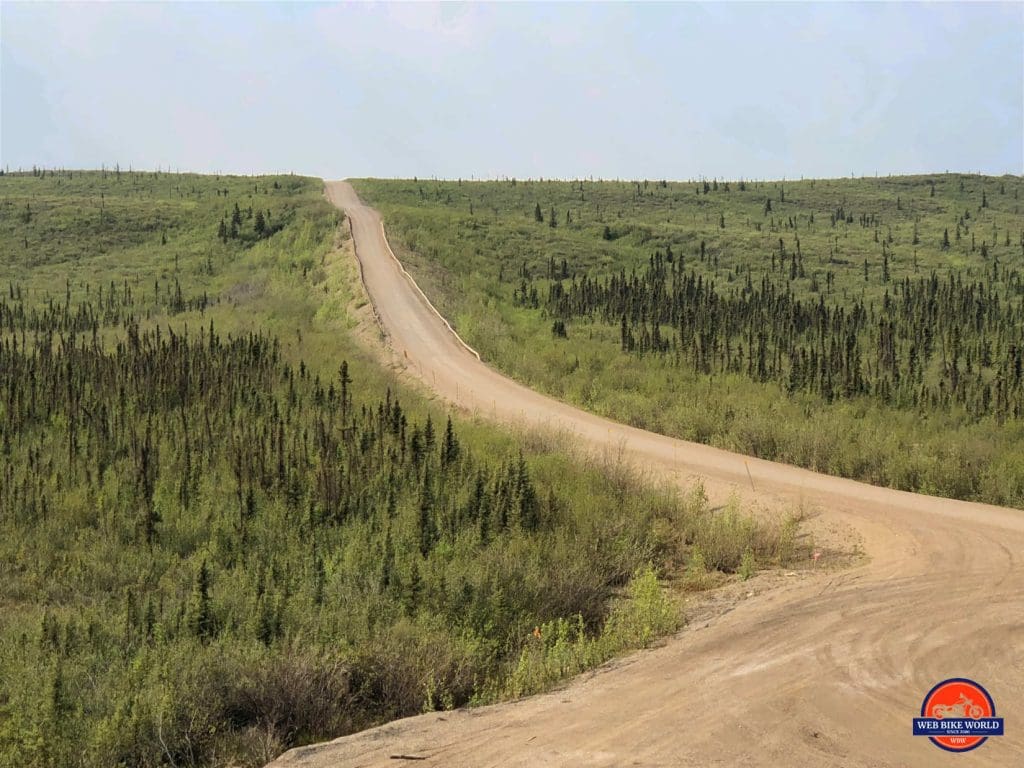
826 671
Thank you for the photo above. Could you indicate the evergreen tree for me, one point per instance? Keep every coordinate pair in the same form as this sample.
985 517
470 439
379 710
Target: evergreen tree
201 620
529 506
428 436
319 580
149 620
345 381
266 620
484 522
413 588
450 446
60 700
147 464
426 529
387 563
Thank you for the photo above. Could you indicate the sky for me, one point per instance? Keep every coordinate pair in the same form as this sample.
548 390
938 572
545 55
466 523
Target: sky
675 91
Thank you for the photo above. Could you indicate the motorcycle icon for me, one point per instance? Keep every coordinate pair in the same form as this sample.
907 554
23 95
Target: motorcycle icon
964 707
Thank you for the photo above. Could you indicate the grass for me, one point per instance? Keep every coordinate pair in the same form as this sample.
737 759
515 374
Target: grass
477 247
170 613
562 648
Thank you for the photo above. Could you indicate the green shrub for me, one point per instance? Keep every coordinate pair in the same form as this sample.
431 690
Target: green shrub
724 536
748 566
696 576
559 649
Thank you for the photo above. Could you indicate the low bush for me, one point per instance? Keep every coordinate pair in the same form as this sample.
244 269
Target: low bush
562 648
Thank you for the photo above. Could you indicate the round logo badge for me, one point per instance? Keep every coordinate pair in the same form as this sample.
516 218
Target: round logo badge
958 715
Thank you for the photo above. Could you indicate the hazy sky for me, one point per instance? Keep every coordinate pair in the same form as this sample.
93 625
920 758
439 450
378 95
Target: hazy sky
608 90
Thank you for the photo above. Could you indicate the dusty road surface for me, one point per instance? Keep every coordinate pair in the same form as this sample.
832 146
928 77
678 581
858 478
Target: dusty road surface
825 671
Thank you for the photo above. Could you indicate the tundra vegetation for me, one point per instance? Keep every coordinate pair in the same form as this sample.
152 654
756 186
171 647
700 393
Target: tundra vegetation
225 531
871 328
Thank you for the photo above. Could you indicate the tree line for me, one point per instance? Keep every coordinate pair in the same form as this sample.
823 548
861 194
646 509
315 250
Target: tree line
931 343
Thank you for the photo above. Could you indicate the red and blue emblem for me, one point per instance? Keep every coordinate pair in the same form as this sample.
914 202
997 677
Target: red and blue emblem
958 715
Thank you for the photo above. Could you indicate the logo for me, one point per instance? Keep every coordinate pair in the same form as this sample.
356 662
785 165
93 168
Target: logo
958 715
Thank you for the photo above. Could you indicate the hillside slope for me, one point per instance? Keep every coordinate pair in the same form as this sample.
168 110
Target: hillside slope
825 672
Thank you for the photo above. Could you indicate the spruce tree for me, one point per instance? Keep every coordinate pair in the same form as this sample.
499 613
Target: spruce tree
413 587
428 436
387 563
201 621
526 495
450 446
427 532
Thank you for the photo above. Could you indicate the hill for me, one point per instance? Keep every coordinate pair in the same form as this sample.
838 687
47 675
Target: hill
226 530
869 328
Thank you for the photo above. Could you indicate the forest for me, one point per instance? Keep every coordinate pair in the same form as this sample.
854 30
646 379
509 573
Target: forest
225 530
871 328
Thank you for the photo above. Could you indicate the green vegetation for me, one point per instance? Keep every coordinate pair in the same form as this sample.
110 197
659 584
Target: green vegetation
562 648
224 531
869 328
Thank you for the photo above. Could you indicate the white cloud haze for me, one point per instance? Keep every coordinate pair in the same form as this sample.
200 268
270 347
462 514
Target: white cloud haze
603 90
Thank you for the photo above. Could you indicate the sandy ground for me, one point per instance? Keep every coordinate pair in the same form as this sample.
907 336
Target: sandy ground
821 671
